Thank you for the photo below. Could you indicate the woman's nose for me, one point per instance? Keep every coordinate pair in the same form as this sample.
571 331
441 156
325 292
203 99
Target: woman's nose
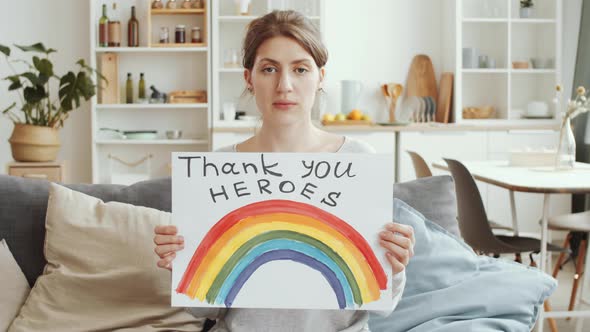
285 84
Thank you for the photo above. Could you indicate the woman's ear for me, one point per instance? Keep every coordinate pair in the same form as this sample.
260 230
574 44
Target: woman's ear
248 79
322 75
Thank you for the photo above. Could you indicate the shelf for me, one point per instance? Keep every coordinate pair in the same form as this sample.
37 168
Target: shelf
231 70
236 124
236 18
153 49
485 71
152 142
179 11
533 71
534 20
485 20
149 106
175 45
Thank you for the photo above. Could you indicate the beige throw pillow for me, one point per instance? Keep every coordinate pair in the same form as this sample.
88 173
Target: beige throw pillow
14 287
101 272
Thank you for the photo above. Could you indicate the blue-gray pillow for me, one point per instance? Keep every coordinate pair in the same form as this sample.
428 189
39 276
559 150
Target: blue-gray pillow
450 288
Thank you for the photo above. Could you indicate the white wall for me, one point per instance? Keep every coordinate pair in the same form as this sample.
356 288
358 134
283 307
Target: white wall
370 40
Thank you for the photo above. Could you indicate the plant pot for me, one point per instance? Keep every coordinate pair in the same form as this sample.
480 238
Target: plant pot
527 12
34 143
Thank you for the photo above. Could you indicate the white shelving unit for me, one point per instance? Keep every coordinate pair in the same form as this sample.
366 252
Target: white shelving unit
168 69
495 28
229 29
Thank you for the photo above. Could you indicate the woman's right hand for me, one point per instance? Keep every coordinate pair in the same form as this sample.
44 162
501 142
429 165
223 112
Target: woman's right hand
167 244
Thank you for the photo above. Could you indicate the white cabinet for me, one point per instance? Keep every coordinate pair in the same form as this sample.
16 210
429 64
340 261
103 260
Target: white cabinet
382 142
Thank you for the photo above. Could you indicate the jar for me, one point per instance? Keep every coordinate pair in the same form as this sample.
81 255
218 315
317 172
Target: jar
171 4
196 35
164 35
157 4
180 35
186 4
197 4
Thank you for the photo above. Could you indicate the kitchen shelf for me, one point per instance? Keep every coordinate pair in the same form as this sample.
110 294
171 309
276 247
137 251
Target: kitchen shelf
152 142
533 71
533 21
236 18
231 70
178 11
236 123
485 20
485 71
176 45
149 106
153 49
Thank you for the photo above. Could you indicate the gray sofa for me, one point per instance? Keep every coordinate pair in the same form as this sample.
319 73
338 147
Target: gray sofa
23 204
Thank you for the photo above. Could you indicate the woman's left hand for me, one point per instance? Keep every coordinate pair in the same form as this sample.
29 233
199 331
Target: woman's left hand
399 241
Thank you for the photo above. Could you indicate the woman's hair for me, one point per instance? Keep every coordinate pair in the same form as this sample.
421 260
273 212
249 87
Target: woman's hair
286 23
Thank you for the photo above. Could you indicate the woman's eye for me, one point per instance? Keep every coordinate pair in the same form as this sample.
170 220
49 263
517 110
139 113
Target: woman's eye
269 70
301 70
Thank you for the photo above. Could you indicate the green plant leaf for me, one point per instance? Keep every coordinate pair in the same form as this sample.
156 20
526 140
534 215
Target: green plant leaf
38 47
44 66
72 87
16 84
5 50
9 108
35 94
33 78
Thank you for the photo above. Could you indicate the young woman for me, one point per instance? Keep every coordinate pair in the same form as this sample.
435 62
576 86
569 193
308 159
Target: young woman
284 61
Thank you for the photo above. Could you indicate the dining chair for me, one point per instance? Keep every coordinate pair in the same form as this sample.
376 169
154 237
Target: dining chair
572 223
420 166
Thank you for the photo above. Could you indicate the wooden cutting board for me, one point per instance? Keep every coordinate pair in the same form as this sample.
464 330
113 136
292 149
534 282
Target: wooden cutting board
108 64
445 98
421 81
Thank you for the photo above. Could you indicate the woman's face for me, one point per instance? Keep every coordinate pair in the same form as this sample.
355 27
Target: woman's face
284 80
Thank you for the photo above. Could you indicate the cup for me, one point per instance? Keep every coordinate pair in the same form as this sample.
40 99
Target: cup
232 58
483 61
229 111
491 63
470 57
351 91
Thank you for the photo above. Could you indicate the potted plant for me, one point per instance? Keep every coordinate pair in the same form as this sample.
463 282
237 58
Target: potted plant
41 115
566 148
527 8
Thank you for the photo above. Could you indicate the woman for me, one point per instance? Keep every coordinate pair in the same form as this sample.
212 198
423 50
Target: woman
284 62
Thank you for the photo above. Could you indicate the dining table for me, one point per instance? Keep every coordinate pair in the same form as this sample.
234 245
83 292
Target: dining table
545 180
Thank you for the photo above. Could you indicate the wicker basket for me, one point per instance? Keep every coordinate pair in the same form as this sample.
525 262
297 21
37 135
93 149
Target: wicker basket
485 112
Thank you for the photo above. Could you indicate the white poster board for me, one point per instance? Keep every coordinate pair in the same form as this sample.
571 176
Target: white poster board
282 230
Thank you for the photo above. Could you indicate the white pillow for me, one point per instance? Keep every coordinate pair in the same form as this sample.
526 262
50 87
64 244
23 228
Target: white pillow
101 272
14 287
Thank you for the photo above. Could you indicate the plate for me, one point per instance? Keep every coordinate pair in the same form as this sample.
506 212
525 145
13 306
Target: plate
397 123
408 107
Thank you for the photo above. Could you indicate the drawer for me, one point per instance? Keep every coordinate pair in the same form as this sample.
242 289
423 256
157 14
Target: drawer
44 173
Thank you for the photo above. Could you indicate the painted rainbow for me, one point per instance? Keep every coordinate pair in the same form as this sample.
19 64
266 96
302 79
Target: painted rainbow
261 232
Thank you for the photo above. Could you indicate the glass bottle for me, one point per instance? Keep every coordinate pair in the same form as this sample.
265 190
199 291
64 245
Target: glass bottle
114 28
164 35
141 92
129 89
103 28
171 4
180 34
566 150
196 35
157 4
133 30
197 4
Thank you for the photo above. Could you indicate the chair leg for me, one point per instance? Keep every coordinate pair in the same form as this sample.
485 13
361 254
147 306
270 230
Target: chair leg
578 275
546 304
517 258
566 245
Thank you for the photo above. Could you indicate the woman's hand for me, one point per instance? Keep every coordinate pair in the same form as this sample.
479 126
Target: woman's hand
399 241
167 244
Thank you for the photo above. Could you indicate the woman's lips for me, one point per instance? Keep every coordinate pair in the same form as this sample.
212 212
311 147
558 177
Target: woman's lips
284 105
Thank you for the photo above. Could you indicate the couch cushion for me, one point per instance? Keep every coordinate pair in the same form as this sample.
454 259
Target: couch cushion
14 288
101 273
23 203
443 277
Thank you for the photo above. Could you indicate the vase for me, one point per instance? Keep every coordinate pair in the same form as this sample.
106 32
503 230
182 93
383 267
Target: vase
527 12
34 143
566 149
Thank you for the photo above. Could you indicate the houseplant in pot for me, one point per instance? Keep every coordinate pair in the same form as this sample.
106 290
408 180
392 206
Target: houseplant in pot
527 8
42 110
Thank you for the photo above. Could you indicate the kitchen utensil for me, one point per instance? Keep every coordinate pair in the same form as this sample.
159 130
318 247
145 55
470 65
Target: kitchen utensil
173 134
109 67
392 91
421 81
133 134
408 108
432 110
350 93
188 96
445 98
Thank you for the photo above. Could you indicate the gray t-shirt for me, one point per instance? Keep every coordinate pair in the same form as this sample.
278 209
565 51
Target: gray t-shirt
299 320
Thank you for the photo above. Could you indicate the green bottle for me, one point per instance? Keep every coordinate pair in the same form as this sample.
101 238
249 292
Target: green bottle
141 87
129 89
103 28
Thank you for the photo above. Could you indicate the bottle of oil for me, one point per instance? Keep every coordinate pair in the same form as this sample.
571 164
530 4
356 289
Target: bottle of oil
141 90
129 89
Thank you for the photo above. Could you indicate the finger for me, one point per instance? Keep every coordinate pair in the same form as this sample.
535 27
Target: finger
168 239
166 230
163 250
166 262
396 266
406 230
402 255
399 240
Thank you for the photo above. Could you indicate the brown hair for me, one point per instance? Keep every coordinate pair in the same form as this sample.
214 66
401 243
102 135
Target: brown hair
286 23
